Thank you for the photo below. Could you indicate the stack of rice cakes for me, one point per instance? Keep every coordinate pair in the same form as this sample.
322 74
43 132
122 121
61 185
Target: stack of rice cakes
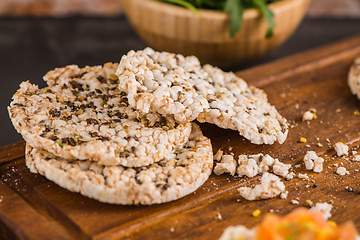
123 133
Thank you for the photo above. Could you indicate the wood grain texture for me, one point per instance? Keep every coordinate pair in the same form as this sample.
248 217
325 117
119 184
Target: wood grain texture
35 208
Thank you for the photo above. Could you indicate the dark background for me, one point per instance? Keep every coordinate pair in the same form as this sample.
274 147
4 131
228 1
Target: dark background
29 47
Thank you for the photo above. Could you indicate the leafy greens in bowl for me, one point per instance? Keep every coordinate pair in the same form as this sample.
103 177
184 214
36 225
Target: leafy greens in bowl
234 7
205 34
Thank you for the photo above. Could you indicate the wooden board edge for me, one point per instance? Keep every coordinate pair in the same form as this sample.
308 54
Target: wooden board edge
276 70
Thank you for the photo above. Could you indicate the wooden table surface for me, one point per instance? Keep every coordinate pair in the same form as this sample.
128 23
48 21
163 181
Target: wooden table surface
34 208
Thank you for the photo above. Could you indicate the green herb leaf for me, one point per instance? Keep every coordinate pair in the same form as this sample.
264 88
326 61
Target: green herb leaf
236 9
268 15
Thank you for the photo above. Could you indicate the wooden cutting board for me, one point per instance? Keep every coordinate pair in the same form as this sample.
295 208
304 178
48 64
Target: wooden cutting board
34 208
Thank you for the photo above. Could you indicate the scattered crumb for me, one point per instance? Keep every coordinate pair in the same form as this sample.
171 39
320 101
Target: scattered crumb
269 187
172 229
295 202
302 140
323 207
227 165
256 213
290 176
341 149
238 232
284 195
342 171
309 115
218 155
308 160
350 189
332 223
251 165
280 168
248 166
219 216
356 158
303 176
309 203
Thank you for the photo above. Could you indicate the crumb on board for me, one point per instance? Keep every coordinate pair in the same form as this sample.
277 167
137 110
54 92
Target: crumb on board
341 149
284 195
270 186
290 176
313 162
227 165
309 202
355 158
309 115
303 176
218 155
341 171
256 213
325 208
350 189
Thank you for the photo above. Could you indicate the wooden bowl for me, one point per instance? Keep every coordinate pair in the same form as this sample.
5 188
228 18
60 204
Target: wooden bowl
171 28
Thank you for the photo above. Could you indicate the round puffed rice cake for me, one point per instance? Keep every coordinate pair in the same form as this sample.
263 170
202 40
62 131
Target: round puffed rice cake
173 84
82 115
175 176
354 77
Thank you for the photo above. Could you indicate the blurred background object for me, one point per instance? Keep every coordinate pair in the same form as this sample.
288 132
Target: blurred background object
170 28
59 8
334 8
318 8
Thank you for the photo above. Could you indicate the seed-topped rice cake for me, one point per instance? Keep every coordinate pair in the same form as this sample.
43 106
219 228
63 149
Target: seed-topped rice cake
173 84
82 115
354 77
175 176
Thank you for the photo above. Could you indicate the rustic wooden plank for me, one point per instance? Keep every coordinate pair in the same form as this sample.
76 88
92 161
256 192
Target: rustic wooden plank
316 79
12 151
26 185
19 220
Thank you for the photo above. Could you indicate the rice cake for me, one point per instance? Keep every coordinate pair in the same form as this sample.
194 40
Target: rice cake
177 85
175 176
82 115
